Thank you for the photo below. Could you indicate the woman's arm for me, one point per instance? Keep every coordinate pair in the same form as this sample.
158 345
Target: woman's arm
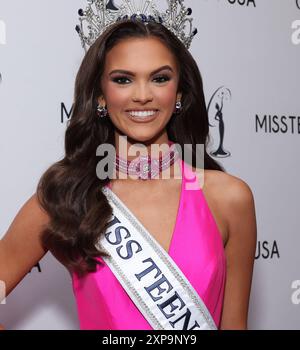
21 248
240 254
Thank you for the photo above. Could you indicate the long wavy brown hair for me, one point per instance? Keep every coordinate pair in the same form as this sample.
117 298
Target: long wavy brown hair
70 191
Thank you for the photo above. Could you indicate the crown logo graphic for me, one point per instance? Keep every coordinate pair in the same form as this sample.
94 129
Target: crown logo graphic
99 15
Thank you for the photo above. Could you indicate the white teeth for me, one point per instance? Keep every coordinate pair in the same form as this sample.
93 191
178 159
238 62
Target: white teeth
141 114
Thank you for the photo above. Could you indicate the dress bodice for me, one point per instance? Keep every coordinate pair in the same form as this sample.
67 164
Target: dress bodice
197 249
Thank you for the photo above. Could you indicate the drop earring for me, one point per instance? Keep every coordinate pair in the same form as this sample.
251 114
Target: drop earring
102 111
178 107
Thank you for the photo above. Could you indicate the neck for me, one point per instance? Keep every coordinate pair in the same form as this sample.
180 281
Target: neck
131 149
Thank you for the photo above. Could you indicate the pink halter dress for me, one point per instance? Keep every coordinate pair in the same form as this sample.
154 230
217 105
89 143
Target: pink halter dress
196 248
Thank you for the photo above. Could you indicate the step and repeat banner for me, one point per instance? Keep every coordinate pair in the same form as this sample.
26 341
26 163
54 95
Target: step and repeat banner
248 53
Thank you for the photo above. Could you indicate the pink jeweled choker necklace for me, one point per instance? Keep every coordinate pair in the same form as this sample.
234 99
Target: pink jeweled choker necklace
145 167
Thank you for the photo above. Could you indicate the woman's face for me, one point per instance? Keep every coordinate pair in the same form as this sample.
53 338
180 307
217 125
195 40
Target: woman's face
139 84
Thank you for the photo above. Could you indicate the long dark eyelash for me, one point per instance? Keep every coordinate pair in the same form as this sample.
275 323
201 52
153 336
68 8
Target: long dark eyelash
163 77
117 79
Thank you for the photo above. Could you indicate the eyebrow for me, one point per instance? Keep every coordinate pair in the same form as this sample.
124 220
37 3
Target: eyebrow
121 71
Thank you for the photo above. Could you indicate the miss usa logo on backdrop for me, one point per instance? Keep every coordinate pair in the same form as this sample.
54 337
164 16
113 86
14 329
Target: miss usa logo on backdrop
65 112
242 2
216 119
298 4
267 250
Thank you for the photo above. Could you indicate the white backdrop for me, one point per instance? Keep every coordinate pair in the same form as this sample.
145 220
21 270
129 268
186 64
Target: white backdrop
248 53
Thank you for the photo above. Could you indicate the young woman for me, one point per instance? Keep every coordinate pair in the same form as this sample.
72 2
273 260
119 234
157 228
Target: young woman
128 89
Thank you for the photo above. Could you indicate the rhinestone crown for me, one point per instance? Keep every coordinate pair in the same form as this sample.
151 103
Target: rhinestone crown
101 14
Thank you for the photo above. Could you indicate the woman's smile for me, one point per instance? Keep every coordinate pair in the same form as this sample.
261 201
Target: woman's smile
142 116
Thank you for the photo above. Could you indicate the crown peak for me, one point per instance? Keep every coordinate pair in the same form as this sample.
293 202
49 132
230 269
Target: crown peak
100 15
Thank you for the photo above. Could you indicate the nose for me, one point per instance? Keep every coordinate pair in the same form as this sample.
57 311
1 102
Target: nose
142 93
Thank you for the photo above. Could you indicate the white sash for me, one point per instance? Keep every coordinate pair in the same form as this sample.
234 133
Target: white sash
148 274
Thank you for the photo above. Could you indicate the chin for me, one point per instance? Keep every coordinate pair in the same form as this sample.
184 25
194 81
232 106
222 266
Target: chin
143 137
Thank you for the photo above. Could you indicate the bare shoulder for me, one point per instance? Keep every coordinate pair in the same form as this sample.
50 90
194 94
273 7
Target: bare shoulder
232 189
229 197
30 216
21 247
234 194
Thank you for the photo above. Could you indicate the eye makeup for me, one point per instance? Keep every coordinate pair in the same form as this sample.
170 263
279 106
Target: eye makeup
161 79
